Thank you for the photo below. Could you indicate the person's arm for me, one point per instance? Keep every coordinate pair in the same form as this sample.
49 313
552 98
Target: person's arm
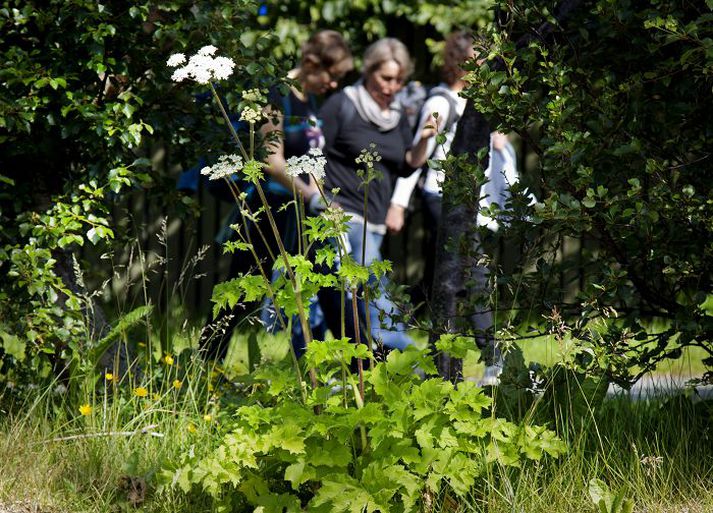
429 126
395 216
276 164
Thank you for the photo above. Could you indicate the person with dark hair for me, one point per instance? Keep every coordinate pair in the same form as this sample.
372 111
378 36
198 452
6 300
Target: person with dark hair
363 116
325 60
442 110
292 129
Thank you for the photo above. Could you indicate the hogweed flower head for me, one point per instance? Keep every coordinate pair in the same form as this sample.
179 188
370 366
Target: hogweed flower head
368 157
224 168
208 50
313 163
201 67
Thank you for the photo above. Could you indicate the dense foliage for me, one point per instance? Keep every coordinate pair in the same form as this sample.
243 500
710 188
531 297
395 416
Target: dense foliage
85 88
405 440
613 100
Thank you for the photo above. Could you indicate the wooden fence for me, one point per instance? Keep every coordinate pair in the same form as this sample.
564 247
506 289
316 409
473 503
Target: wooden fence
174 259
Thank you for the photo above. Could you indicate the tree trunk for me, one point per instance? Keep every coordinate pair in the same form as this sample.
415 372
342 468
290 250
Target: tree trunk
457 241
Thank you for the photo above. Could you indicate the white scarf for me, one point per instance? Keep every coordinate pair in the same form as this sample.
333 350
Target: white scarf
370 111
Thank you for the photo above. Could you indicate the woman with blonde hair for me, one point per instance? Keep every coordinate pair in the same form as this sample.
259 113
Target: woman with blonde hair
367 116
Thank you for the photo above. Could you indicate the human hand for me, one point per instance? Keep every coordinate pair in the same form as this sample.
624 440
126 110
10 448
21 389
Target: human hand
430 129
316 204
395 218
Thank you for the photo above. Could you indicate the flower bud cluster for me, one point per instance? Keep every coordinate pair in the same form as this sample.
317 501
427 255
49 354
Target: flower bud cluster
368 156
254 96
201 67
250 115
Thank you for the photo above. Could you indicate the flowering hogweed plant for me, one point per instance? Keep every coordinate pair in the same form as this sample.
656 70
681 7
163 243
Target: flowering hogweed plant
439 432
202 67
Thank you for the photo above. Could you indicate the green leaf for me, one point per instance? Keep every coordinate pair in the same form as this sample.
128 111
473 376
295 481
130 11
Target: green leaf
13 345
344 494
589 202
299 473
600 494
93 235
455 345
124 323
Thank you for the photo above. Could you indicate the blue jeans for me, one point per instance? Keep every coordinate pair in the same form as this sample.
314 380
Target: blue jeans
390 334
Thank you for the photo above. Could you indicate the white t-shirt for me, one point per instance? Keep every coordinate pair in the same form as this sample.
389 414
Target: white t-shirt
437 103
501 172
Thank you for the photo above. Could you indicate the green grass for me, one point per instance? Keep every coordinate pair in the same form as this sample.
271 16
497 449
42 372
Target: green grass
547 351
619 442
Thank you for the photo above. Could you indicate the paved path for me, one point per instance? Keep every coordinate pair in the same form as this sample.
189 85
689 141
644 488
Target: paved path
661 385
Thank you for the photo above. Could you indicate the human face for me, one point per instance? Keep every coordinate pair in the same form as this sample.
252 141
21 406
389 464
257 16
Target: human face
321 81
384 82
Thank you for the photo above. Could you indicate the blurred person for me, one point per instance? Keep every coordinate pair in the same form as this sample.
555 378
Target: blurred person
442 110
363 116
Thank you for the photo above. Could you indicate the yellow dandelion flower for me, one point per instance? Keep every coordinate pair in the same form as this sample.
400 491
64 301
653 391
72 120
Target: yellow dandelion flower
177 384
191 428
207 417
210 387
168 359
85 410
140 392
156 397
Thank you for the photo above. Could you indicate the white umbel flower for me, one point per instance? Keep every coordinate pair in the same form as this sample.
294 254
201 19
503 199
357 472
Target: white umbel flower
313 163
224 168
175 60
201 67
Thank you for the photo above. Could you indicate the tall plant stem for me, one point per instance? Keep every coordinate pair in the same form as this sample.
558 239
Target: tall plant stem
304 321
268 282
357 334
298 217
341 249
300 307
363 263
229 123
